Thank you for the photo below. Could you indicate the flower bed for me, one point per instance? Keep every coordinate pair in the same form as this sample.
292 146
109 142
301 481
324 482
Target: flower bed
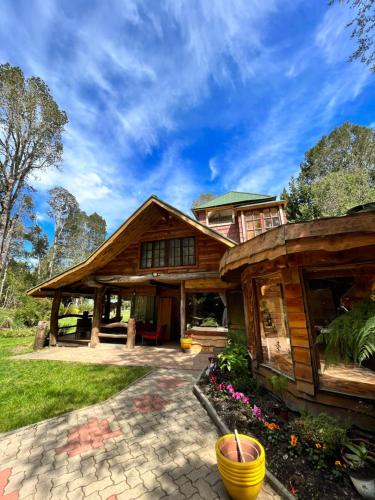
303 451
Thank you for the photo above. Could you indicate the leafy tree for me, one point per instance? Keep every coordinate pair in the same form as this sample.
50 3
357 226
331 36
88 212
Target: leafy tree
63 208
363 25
203 198
39 246
335 175
31 125
96 231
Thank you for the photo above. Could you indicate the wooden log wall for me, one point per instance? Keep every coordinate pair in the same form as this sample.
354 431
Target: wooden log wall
299 335
208 250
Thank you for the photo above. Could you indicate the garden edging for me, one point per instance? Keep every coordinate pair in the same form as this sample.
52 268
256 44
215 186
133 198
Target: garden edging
223 428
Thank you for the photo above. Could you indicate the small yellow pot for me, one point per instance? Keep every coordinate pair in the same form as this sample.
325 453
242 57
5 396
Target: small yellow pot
185 343
242 480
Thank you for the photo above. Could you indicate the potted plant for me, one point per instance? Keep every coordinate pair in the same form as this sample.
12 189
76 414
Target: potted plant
185 343
361 462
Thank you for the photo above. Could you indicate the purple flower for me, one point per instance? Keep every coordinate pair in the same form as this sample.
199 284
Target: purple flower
257 412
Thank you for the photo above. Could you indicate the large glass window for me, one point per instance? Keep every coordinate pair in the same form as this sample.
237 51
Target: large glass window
163 253
259 221
341 307
274 334
206 311
220 217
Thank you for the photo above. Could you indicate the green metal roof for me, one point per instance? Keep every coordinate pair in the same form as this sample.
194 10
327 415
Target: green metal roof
235 198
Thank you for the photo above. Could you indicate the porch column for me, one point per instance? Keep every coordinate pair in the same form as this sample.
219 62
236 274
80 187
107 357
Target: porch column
107 309
118 306
97 316
183 310
54 323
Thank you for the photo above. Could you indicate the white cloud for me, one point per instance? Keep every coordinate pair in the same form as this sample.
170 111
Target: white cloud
214 169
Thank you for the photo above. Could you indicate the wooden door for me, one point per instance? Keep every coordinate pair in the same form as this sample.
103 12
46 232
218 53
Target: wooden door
165 315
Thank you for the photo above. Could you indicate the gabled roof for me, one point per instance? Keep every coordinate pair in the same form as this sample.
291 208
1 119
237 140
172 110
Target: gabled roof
146 215
235 198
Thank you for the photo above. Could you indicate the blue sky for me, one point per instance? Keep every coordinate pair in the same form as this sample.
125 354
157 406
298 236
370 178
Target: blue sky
176 97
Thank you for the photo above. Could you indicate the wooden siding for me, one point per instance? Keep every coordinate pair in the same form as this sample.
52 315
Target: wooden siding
208 250
229 230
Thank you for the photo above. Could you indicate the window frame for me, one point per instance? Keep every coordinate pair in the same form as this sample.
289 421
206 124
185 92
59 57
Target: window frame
155 263
212 212
277 278
261 215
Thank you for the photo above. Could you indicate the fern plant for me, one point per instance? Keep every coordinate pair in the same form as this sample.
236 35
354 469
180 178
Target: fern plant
350 337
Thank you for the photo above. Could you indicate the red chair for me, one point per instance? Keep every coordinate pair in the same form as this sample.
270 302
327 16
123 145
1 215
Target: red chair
157 335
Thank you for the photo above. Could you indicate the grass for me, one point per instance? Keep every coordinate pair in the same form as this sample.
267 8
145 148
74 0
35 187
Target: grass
31 391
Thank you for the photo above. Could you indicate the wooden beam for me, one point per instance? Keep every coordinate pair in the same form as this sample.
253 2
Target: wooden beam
54 324
128 278
183 310
97 316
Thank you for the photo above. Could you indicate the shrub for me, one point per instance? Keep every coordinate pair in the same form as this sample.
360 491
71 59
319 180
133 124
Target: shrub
330 432
19 332
30 311
209 322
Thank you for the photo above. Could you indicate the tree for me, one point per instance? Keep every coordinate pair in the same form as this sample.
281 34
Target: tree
96 232
335 175
63 208
203 198
363 25
31 125
39 246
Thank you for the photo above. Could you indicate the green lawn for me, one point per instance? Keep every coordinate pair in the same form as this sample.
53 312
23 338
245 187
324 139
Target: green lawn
31 391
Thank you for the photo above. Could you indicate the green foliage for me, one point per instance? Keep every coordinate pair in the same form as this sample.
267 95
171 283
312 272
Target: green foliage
335 175
238 337
351 336
209 322
359 455
16 333
323 429
234 360
30 311
279 384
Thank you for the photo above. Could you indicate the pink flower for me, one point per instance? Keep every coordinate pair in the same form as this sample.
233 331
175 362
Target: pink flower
245 400
230 389
257 412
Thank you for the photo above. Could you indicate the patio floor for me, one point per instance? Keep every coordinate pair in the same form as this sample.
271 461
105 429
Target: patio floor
169 356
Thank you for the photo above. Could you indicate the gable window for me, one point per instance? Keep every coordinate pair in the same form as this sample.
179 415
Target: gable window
220 217
168 253
259 221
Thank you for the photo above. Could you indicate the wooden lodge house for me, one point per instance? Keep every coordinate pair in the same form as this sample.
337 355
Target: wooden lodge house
236 265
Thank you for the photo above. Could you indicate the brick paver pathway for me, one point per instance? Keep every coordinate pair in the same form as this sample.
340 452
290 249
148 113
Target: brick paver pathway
150 441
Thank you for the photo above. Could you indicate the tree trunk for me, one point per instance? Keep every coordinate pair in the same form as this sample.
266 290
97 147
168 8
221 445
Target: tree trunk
54 325
40 336
3 281
97 317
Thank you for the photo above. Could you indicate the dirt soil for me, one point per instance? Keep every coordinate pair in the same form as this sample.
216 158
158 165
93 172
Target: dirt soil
297 473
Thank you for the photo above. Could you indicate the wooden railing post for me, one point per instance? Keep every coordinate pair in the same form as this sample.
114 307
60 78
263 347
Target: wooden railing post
118 307
54 322
183 310
97 316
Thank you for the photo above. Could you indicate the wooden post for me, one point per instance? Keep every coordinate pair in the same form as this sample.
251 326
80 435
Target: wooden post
40 335
183 310
97 316
118 307
54 323
107 308
130 342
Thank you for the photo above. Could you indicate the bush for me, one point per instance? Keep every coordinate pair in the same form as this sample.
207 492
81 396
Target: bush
19 332
30 311
209 322
330 432
6 323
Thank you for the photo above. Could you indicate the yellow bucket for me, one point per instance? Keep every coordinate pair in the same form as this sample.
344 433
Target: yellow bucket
185 343
242 480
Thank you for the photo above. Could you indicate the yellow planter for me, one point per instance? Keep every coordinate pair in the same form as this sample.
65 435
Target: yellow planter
185 343
242 480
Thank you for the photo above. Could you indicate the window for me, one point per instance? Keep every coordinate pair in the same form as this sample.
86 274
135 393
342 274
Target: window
271 217
341 306
220 217
274 334
206 311
259 221
253 224
168 253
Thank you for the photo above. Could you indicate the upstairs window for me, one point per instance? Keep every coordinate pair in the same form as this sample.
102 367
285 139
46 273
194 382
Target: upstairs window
259 221
220 217
168 253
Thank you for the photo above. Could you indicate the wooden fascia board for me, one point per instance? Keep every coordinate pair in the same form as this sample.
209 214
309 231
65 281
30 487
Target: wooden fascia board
260 205
330 234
